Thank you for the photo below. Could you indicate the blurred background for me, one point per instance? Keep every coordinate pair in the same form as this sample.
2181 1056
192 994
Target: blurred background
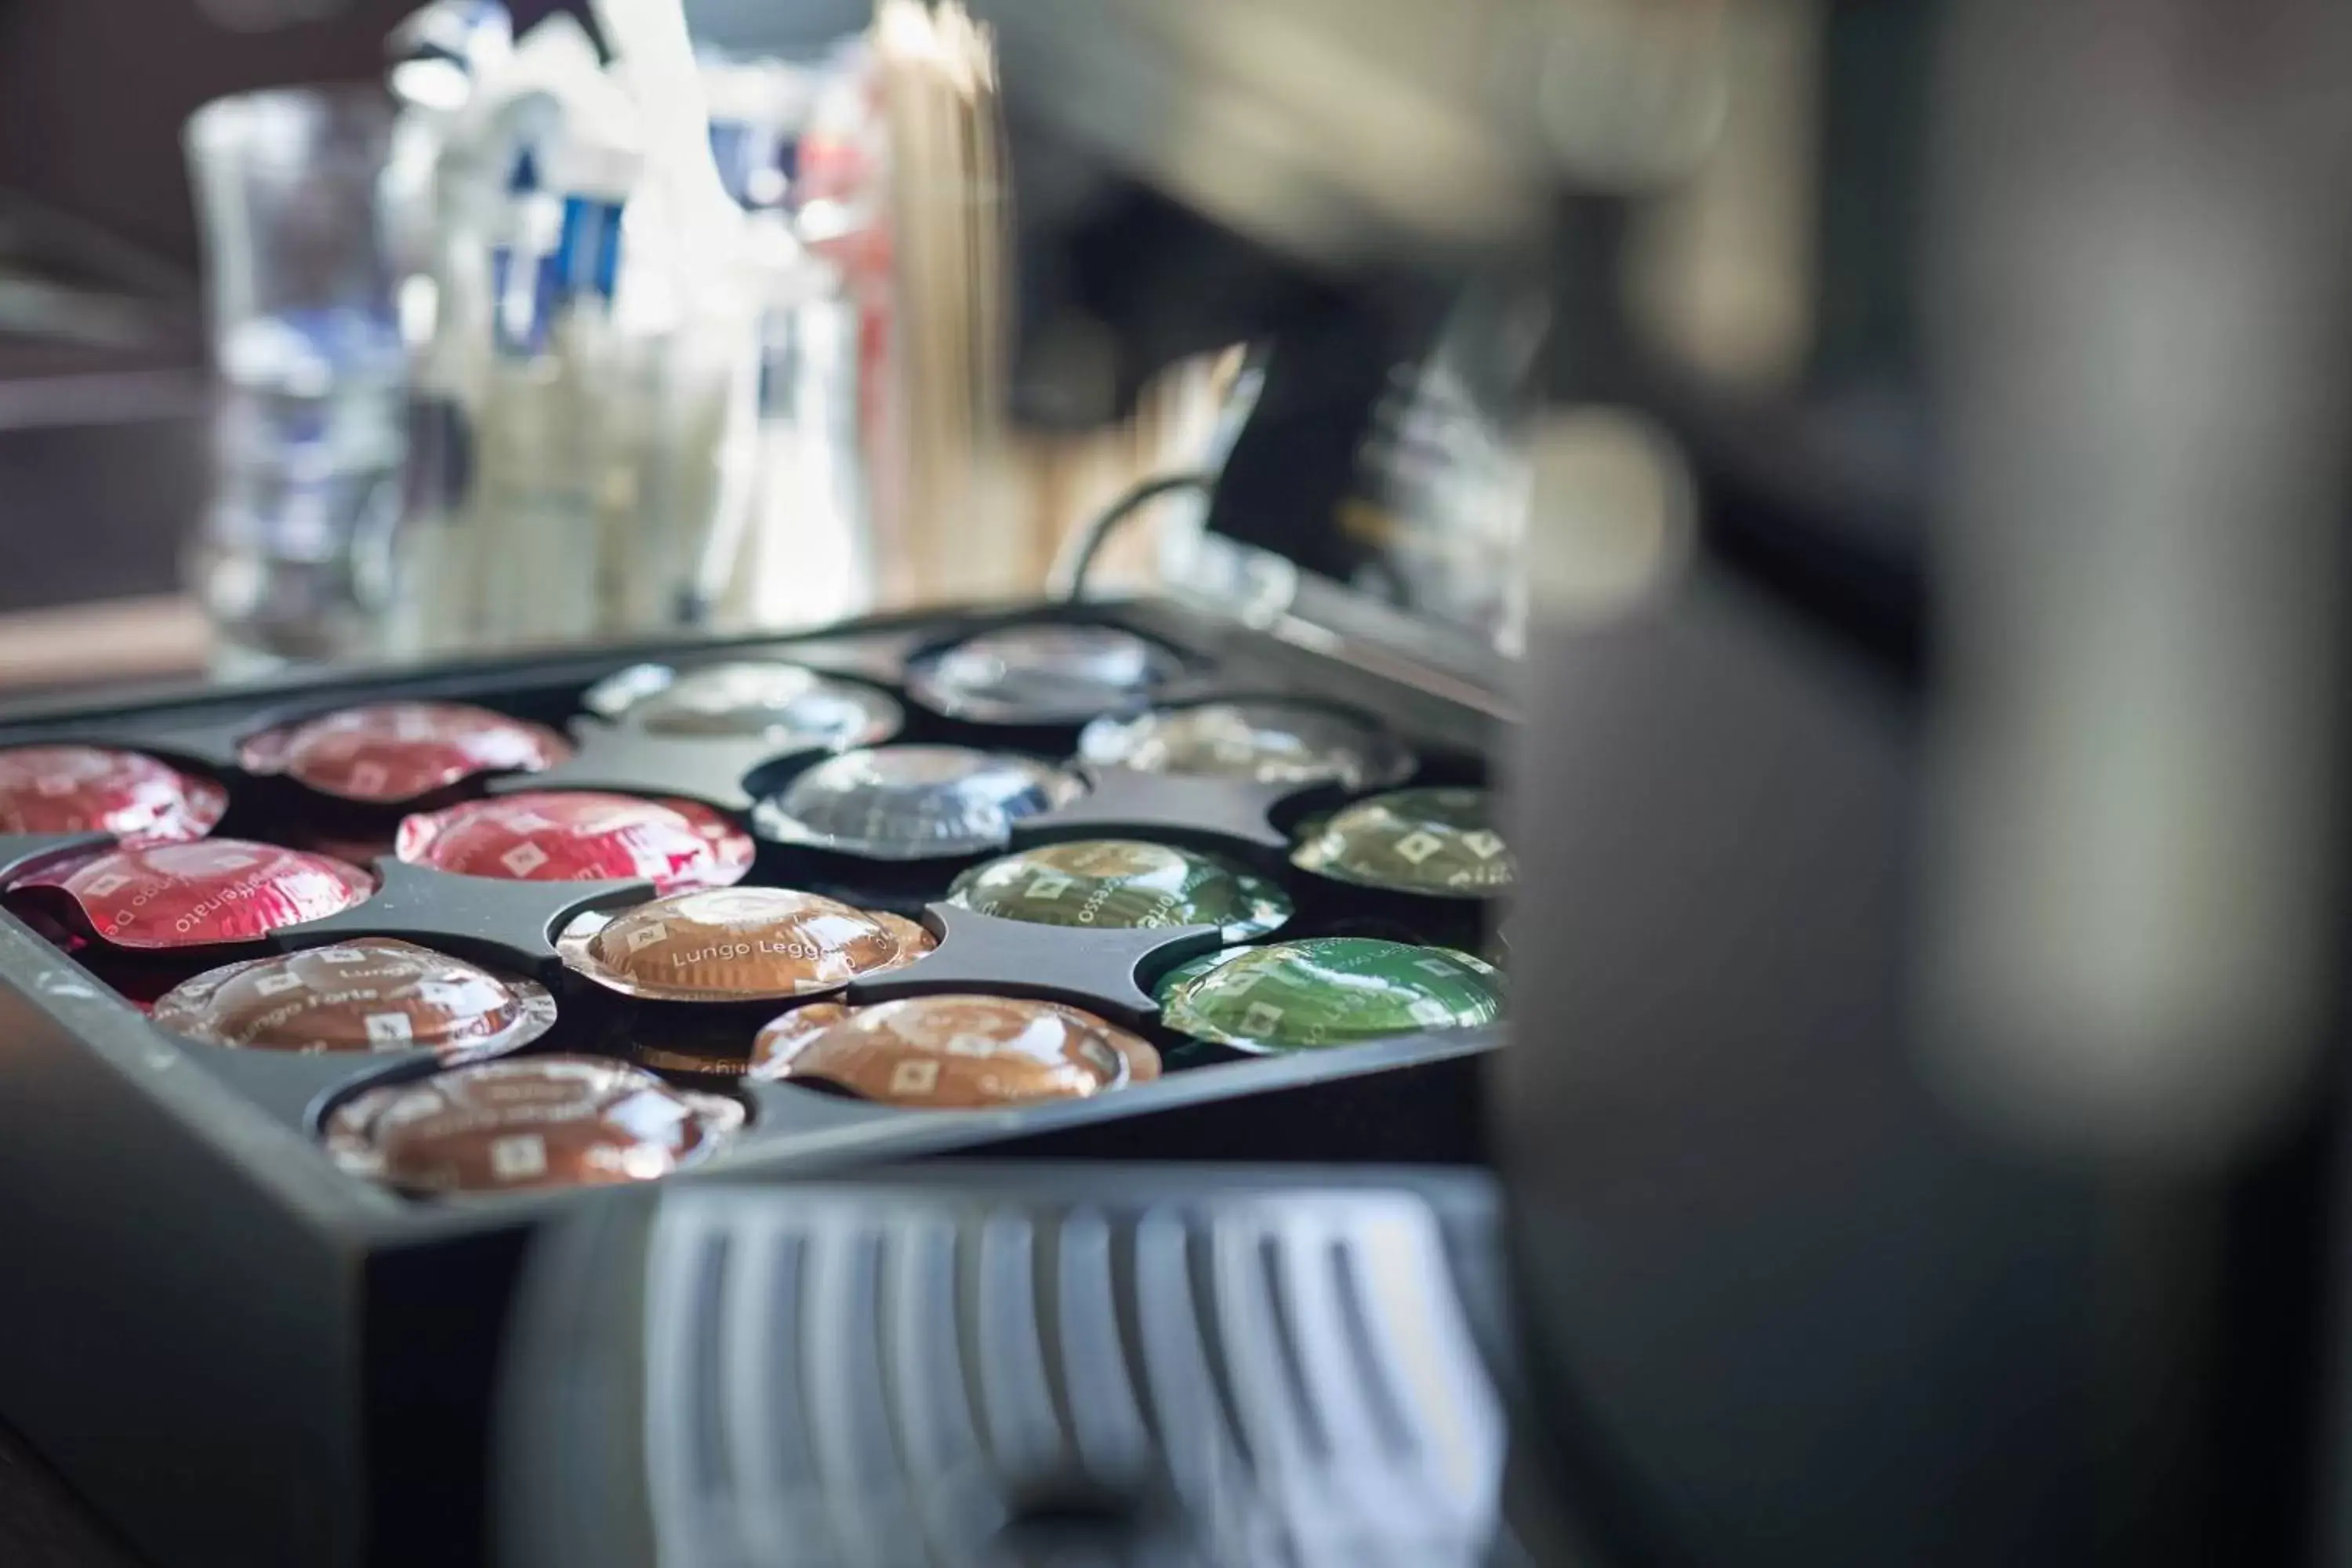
311 349
1935 414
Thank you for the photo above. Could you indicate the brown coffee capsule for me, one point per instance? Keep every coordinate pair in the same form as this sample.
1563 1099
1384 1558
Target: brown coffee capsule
672 1060
914 940
370 994
947 1052
1142 1056
529 1123
729 944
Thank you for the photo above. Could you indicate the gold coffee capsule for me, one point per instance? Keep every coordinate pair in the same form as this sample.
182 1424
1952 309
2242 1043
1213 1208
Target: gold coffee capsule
730 944
370 994
785 1034
914 940
1142 1056
951 1052
527 1122
686 1062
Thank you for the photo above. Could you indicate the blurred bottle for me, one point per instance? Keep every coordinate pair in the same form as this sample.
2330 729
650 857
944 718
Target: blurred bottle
795 546
289 558
533 516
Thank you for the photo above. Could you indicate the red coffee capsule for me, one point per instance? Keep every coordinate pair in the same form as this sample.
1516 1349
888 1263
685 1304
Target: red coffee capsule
370 994
557 836
197 895
529 1123
98 789
386 752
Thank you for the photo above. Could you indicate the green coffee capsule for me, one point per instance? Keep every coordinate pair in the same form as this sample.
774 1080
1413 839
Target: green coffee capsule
1122 884
1191 968
1437 841
1331 991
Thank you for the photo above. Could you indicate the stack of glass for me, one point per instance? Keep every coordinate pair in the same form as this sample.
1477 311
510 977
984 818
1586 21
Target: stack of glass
490 385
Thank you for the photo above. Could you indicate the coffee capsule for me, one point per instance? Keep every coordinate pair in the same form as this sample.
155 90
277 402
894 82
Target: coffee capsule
527 1122
99 789
1265 739
370 994
951 1052
212 891
559 836
797 709
914 939
1165 986
730 944
387 752
709 1063
913 802
1438 841
1142 1056
1331 991
1043 674
1123 884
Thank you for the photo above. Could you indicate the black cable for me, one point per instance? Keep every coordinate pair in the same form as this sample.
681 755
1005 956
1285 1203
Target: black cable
1098 529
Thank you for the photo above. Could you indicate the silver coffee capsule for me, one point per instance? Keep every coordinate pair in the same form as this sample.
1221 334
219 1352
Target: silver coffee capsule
797 707
912 803
1043 674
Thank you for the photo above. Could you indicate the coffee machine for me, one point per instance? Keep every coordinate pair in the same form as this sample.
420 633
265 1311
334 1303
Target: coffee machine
1920 1138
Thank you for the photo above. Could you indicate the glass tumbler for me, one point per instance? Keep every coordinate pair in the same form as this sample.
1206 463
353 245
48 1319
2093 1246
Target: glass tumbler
288 556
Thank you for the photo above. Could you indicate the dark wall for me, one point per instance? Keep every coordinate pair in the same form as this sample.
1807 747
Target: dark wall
99 489
93 92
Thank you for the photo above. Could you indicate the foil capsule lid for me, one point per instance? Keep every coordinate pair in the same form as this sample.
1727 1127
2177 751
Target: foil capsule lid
915 940
213 891
524 1123
1265 739
1435 840
1123 884
797 707
559 836
370 994
387 752
100 789
1041 674
1165 986
913 802
1328 991
730 944
950 1052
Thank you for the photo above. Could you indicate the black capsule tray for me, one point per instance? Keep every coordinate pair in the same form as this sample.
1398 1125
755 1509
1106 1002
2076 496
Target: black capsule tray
242 1353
